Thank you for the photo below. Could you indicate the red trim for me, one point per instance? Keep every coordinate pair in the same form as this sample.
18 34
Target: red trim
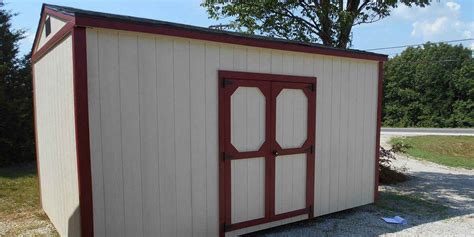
379 125
264 77
58 37
246 224
309 145
44 12
229 149
36 133
264 220
270 85
222 172
270 162
81 112
58 15
101 22
292 214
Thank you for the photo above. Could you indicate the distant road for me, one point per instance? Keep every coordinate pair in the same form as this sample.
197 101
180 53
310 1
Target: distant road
428 131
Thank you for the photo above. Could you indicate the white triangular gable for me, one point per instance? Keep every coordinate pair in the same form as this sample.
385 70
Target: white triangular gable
56 25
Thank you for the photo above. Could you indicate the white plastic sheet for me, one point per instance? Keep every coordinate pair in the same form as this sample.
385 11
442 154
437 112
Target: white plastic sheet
395 220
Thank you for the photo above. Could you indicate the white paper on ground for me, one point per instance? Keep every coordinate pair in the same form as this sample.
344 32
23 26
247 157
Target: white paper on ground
395 220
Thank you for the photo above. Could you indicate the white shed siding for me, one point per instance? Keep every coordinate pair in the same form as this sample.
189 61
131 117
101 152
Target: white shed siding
290 183
154 133
56 25
55 126
248 189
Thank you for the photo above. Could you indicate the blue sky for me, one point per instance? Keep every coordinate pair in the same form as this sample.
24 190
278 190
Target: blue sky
443 20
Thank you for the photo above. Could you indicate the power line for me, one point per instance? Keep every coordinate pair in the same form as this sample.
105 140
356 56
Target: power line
411 45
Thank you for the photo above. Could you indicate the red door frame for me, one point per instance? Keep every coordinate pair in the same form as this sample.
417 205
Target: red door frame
229 81
307 147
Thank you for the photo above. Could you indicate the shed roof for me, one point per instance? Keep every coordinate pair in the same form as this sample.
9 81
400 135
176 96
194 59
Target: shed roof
122 22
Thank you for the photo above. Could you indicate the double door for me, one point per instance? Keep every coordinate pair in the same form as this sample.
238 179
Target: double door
267 132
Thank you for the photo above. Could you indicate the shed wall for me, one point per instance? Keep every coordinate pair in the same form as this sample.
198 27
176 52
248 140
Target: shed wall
154 129
56 25
56 146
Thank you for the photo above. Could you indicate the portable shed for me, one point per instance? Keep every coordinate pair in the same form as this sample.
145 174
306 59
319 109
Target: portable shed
150 128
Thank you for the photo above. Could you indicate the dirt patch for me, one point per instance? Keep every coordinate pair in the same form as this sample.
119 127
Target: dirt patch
31 223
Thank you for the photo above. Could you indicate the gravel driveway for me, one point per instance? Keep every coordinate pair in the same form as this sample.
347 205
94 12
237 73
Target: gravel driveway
436 201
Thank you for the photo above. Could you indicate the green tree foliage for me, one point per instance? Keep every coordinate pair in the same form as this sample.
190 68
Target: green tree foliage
326 21
430 86
16 126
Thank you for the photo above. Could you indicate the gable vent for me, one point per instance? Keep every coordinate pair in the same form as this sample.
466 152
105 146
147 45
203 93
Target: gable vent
47 26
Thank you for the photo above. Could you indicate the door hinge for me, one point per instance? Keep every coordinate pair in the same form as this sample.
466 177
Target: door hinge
311 87
226 82
226 156
310 149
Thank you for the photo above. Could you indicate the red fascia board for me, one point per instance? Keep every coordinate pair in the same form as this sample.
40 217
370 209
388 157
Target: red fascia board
379 125
100 22
59 15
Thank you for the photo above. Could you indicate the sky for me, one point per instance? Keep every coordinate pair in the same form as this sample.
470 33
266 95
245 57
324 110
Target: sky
443 20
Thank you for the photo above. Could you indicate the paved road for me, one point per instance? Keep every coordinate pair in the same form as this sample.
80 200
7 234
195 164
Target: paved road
428 131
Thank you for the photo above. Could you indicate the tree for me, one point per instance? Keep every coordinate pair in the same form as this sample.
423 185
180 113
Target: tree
16 124
326 21
430 86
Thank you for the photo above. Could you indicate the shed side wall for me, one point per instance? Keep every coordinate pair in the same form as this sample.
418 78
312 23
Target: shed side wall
154 134
56 25
56 138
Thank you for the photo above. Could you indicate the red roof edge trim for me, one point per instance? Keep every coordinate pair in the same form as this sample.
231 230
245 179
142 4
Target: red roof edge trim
169 30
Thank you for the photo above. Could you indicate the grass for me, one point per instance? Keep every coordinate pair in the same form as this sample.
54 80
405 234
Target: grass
18 189
453 151
19 200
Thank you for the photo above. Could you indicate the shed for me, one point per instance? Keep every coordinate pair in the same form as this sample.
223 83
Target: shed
151 128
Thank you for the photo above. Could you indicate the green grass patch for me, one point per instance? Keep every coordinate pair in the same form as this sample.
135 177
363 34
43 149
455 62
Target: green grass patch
20 203
453 151
18 189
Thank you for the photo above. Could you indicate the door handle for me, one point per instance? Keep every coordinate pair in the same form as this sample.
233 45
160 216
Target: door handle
275 153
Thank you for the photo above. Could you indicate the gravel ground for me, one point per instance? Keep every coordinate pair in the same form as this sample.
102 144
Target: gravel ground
436 201
27 223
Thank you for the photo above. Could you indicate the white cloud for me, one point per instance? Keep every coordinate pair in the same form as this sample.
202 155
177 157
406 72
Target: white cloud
429 29
440 22
453 6
403 12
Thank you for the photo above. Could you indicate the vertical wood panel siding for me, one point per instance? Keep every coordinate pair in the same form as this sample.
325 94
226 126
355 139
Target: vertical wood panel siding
247 191
56 140
153 120
290 183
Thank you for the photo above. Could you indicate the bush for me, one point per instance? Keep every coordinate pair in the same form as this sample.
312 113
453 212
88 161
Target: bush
400 146
389 175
